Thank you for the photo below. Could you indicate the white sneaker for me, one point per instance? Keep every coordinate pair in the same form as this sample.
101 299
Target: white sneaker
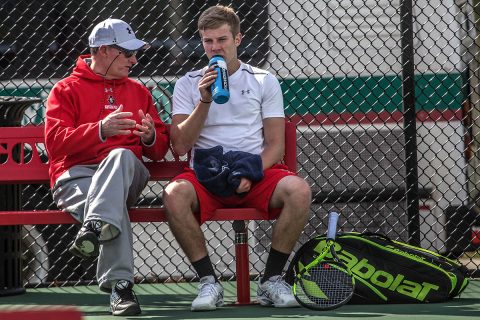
276 292
210 295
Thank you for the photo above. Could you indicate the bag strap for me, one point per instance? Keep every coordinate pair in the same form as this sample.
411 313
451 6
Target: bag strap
377 235
289 274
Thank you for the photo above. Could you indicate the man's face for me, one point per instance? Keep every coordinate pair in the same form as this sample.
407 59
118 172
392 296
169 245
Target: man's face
221 41
123 61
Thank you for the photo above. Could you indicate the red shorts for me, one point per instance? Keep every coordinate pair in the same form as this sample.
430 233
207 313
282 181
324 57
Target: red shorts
258 197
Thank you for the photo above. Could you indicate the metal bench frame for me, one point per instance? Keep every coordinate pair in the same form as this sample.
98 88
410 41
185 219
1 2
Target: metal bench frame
19 165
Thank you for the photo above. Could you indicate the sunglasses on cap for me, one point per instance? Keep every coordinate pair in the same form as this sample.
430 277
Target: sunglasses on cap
126 53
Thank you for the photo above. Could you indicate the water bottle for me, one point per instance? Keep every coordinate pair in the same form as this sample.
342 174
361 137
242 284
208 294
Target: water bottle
220 93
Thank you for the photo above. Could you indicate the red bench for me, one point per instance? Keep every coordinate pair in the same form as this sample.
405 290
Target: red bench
18 166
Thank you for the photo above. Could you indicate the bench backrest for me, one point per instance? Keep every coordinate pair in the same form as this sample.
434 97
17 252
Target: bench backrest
23 157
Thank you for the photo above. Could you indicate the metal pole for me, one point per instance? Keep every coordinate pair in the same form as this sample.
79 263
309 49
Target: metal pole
242 262
409 118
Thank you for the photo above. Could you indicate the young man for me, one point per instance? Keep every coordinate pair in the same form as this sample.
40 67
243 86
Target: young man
251 125
99 124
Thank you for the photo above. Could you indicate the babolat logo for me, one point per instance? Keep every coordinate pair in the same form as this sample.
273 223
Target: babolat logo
405 253
361 268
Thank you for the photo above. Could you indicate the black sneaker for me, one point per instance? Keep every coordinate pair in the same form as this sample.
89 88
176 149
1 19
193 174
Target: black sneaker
86 243
123 301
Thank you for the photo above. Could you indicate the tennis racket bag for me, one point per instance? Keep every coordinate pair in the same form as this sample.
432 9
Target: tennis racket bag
388 271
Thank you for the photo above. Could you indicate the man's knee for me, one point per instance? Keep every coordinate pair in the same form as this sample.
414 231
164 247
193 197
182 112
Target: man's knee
178 195
296 191
121 157
122 154
304 190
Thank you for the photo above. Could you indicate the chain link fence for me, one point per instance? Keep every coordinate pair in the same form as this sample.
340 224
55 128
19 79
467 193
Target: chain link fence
340 65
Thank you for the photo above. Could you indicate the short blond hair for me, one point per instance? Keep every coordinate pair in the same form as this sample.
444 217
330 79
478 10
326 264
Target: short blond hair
216 16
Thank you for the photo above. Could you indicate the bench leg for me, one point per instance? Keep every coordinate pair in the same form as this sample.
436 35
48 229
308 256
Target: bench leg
242 262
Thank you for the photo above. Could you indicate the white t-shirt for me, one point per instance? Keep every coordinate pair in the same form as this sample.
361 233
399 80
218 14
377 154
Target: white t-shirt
236 125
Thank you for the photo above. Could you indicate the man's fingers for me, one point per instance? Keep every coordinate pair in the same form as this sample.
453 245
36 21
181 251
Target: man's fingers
124 132
148 123
129 122
245 185
114 122
119 109
122 126
209 79
142 128
241 187
120 123
125 114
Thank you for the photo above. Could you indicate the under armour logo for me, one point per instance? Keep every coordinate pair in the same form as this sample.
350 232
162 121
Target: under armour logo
245 91
108 89
129 31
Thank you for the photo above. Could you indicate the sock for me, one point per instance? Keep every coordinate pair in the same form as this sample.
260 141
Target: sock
275 262
204 268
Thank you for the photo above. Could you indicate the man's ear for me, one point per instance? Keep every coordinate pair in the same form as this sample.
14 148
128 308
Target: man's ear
238 39
102 50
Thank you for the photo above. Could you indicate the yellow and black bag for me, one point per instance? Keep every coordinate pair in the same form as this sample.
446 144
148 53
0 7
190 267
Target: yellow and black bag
388 271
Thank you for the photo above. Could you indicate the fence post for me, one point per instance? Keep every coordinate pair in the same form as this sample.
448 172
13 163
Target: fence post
11 280
410 122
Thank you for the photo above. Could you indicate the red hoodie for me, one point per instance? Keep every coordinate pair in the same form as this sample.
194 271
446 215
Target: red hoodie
75 107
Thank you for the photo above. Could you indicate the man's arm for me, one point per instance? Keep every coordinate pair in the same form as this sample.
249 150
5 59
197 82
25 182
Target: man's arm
63 137
274 145
274 148
185 129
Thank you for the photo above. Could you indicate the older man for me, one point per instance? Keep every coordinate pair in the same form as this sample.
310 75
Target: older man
99 125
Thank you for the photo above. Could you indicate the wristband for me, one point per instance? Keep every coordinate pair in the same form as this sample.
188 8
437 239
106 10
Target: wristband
205 101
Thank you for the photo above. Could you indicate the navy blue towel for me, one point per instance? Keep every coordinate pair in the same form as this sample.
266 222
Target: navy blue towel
221 173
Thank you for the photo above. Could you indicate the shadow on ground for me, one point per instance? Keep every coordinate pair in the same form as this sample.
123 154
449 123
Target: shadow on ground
163 302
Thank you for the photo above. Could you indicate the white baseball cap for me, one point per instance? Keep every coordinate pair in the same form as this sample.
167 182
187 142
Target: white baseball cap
115 32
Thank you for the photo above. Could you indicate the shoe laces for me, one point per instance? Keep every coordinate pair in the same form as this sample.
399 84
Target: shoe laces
207 289
124 291
278 285
94 225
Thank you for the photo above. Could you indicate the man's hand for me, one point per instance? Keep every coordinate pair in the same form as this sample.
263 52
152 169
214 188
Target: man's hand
204 84
146 130
117 123
244 185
